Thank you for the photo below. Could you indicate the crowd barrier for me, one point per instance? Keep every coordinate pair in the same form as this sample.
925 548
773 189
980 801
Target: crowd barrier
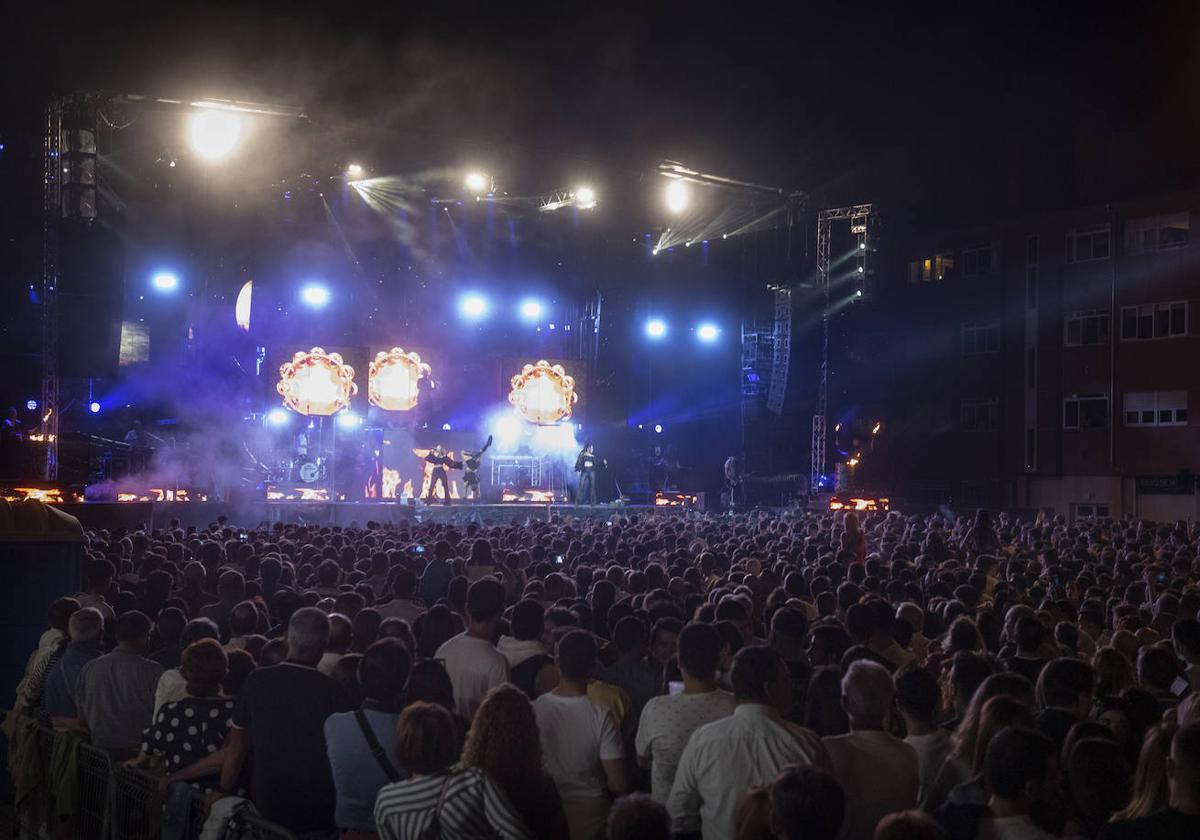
77 792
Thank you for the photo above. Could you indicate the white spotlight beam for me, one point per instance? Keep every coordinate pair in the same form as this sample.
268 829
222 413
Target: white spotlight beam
674 169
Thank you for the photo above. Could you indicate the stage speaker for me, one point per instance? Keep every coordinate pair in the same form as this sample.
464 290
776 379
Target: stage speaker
91 294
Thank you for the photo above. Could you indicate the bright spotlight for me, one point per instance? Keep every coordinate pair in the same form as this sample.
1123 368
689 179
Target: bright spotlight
531 310
277 417
658 428
862 246
355 171
94 408
348 420
656 328
707 332
476 182
585 198
446 427
861 269
31 405
315 295
472 306
165 281
214 134
858 294
678 195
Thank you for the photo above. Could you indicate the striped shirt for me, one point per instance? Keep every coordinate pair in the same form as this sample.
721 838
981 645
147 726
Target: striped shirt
474 808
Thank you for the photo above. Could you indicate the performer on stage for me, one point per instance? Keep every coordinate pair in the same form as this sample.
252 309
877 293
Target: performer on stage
10 445
440 461
733 492
472 461
585 465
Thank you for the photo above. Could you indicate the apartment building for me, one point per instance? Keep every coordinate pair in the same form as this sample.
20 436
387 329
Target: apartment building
1040 362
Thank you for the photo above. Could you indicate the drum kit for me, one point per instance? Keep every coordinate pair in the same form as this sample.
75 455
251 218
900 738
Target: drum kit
306 463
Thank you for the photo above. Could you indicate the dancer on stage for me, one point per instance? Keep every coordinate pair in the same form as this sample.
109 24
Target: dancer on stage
440 461
472 461
585 465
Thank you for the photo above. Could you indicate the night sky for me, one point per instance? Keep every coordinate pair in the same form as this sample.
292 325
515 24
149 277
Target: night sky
982 109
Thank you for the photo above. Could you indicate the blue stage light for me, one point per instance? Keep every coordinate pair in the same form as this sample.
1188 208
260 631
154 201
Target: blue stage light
315 295
31 405
165 281
94 408
707 332
656 328
472 306
658 428
446 427
531 310
278 417
348 420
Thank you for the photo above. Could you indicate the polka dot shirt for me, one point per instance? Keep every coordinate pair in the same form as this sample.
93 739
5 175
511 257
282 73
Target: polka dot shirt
185 731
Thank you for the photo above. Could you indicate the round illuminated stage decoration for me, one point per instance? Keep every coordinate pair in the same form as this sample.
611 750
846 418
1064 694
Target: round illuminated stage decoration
543 393
316 382
392 380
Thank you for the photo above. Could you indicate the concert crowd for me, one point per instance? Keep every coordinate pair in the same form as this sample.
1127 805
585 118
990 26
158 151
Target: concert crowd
832 676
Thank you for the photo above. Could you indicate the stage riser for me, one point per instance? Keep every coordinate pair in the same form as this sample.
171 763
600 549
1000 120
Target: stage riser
155 515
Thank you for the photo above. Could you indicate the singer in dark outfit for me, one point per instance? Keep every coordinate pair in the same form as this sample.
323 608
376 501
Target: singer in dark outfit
440 462
585 465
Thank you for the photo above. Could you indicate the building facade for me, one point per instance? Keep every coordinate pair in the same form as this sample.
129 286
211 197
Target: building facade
1042 362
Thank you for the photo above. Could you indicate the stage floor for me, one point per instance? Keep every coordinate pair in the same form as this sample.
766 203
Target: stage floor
157 515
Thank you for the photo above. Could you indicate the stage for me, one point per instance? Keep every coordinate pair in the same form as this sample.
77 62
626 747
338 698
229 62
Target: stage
158 515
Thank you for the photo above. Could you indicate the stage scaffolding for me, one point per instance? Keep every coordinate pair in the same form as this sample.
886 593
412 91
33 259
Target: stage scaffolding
860 218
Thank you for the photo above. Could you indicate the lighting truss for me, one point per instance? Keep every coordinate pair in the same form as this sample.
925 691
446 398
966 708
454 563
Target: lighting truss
859 216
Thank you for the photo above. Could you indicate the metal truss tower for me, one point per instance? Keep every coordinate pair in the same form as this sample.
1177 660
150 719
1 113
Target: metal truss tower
51 219
859 216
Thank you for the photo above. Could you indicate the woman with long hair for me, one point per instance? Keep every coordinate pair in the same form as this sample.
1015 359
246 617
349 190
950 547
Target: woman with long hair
853 538
960 763
1150 790
504 743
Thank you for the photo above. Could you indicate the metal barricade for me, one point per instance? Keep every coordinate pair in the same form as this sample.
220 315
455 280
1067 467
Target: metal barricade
244 826
197 813
95 777
136 805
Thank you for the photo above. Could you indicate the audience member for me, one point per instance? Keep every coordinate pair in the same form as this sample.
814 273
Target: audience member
669 720
115 692
879 773
291 780
581 741
361 744
472 661
464 804
724 759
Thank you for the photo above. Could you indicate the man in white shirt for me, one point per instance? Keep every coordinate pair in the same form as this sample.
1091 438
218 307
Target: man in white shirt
724 759
471 658
879 773
668 721
581 741
917 695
